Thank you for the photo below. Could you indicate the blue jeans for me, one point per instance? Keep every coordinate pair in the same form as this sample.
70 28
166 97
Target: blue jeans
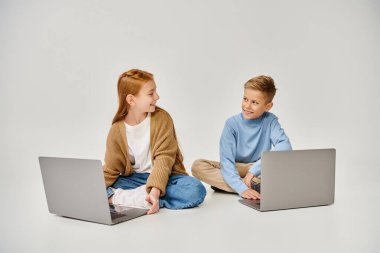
182 191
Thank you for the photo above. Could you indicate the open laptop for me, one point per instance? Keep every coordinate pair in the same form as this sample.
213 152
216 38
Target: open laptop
294 179
75 188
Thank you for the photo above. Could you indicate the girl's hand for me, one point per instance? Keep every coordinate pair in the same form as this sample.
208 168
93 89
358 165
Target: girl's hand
154 198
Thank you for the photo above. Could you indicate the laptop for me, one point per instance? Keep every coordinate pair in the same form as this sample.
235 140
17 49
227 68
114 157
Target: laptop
295 179
75 188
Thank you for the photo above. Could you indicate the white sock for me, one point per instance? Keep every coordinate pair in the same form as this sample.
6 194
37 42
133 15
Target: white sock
131 198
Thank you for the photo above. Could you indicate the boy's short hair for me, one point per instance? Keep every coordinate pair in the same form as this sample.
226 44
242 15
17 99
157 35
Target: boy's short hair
264 84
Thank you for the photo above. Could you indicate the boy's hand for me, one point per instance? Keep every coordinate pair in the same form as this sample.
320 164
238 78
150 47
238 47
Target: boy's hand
154 198
247 179
250 194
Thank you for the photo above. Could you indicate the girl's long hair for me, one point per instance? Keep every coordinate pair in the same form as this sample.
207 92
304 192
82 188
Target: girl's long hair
130 82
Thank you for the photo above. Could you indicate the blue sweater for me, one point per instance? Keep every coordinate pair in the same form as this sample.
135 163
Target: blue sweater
244 141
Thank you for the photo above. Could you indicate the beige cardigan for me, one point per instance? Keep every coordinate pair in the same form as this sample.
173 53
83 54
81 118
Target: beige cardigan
166 156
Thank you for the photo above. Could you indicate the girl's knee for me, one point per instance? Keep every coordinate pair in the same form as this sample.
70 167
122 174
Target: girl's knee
185 192
197 192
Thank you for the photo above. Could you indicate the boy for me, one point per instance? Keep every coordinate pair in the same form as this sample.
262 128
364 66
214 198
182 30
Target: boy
245 137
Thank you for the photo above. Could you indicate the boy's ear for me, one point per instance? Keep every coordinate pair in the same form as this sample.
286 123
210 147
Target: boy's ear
269 106
129 99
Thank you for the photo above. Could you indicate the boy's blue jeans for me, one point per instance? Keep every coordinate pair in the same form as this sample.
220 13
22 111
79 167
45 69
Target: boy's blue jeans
182 191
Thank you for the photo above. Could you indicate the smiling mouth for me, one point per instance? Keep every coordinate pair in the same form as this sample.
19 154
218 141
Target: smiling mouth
248 112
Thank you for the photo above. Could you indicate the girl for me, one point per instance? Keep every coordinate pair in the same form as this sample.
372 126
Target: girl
143 163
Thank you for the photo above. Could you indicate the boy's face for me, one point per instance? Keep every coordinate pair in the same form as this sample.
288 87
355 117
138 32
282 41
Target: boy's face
254 104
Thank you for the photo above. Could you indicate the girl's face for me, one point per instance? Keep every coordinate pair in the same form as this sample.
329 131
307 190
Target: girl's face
145 101
254 104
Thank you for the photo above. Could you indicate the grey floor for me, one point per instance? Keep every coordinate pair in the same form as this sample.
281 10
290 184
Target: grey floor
59 63
220 224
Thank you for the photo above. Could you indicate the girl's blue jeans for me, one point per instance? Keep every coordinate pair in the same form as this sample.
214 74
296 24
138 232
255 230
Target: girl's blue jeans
182 191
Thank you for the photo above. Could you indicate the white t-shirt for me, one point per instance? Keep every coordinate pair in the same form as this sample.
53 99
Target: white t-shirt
138 138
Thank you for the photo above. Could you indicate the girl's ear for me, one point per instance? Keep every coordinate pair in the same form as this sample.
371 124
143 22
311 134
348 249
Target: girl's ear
129 99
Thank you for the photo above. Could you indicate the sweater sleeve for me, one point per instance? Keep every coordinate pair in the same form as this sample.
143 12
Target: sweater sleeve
164 151
279 140
114 158
227 147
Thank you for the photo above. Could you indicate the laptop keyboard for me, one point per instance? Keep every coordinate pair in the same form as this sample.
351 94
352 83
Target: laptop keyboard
117 214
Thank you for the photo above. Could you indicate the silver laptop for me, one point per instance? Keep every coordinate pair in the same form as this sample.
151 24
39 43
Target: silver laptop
76 188
294 179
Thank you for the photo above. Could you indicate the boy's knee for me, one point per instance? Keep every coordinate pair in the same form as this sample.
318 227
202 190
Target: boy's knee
196 167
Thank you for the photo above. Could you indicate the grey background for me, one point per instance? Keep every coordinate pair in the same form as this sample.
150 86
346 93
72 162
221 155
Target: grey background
59 64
